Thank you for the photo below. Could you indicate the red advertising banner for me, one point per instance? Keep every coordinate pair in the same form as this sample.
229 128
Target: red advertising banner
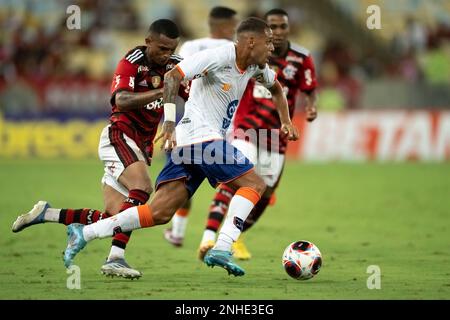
374 135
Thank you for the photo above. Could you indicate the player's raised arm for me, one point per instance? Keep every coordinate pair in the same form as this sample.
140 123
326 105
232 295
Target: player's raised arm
172 80
280 101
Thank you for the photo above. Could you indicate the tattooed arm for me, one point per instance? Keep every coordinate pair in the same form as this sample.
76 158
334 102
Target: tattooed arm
126 100
172 80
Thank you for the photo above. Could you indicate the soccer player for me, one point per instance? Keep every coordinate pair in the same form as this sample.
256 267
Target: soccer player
295 71
221 76
126 143
222 28
222 24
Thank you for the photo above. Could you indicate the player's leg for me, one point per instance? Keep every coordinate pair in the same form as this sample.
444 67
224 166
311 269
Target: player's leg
249 188
42 212
113 199
175 234
138 184
270 167
115 264
259 209
221 202
217 211
126 183
167 199
271 174
240 250
240 176
172 187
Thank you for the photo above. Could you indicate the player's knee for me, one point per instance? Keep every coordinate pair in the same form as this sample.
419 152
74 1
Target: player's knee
260 187
112 209
252 181
148 188
144 185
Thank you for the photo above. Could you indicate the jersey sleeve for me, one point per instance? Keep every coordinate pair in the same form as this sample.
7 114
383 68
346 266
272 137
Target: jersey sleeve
198 65
265 76
124 77
186 49
307 75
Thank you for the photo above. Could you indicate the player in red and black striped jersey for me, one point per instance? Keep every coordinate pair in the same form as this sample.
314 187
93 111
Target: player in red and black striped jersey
295 71
126 144
135 73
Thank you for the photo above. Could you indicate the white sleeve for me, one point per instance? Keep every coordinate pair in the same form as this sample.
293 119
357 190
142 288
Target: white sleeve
198 65
265 76
186 49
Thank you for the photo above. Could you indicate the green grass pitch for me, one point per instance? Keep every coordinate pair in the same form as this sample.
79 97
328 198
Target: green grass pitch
395 216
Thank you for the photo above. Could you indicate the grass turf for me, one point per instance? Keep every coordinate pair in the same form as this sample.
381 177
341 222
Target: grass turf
395 216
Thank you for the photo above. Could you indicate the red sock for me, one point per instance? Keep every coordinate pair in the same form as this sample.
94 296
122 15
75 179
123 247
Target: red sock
83 216
136 197
219 207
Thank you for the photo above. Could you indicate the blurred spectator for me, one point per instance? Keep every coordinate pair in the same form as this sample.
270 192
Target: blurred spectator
436 60
338 65
330 97
38 49
415 35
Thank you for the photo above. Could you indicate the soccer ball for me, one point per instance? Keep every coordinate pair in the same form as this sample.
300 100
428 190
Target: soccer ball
302 260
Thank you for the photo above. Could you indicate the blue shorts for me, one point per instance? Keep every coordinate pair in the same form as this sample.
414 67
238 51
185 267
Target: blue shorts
216 160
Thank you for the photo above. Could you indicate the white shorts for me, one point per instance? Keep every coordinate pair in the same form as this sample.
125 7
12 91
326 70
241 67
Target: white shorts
268 165
117 151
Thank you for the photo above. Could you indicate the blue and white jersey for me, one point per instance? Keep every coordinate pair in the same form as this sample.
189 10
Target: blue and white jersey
217 87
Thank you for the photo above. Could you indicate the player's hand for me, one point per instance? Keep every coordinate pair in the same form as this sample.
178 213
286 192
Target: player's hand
311 113
168 136
289 130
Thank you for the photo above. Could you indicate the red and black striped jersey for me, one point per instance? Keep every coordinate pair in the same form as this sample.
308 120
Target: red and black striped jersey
136 74
295 71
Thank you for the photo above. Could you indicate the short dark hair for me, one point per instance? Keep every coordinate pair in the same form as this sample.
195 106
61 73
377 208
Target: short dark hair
276 11
222 13
252 24
166 27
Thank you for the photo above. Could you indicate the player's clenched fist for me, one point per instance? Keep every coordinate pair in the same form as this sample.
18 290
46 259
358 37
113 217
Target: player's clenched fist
311 113
289 130
168 136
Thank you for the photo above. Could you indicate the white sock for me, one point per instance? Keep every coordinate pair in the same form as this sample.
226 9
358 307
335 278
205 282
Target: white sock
52 215
127 220
116 253
238 211
179 224
208 235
